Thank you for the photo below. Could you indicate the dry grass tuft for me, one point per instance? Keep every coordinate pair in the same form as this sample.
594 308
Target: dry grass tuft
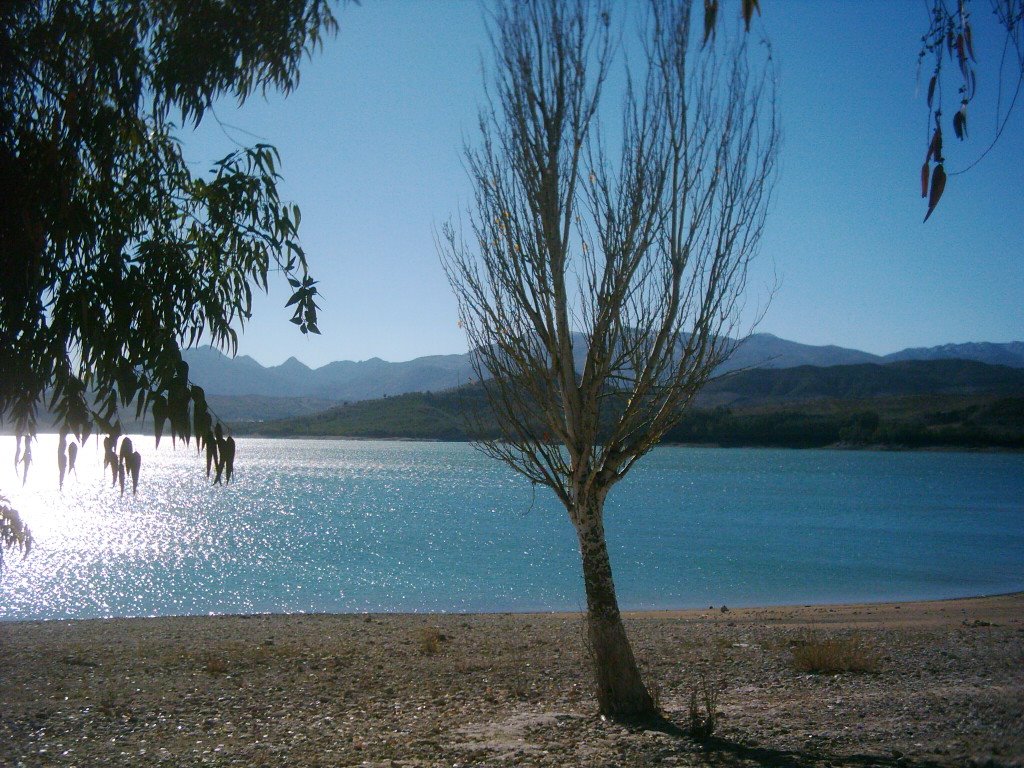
834 655
704 705
653 686
237 656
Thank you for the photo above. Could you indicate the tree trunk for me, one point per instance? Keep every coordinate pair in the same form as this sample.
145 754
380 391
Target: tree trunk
620 689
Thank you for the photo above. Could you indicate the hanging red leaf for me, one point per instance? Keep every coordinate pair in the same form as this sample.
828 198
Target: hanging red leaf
935 148
229 459
960 123
924 179
126 448
931 90
211 454
62 460
159 409
970 40
749 6
134 467
938 184
26 459
710 16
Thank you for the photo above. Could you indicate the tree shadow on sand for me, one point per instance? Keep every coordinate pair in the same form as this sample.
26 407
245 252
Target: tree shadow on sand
719 751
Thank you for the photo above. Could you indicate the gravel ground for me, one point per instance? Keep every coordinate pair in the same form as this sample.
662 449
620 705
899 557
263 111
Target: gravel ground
946 689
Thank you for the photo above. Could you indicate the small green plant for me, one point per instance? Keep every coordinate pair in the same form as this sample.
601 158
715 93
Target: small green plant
834 655
430 639
704 706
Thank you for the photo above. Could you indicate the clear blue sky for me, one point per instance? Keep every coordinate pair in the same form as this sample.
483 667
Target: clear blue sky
371 151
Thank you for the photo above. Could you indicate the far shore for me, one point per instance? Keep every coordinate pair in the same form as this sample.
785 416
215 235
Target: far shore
244 434
941 683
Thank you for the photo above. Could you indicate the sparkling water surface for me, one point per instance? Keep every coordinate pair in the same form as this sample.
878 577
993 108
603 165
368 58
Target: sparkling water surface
338 526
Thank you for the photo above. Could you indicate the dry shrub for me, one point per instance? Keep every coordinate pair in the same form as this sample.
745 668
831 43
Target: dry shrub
834 655
722 644
80 659
430 639
112 703
214 664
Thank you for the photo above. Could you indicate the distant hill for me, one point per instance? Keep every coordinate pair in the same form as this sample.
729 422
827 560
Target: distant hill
868 380
369 379
1011 354
261 408
914 403
763 350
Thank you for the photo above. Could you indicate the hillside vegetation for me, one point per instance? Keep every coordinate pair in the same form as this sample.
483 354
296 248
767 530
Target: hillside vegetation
945 403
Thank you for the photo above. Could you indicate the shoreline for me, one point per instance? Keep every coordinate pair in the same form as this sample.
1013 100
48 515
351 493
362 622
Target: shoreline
944 687
841 608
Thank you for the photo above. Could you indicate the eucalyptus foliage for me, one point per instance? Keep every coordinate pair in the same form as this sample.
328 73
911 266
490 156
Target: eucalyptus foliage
115 253
14 534
949 45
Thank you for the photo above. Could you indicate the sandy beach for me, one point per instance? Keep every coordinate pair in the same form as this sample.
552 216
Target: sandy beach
944 687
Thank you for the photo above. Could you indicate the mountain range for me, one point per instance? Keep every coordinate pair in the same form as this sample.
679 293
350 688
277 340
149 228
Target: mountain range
348 381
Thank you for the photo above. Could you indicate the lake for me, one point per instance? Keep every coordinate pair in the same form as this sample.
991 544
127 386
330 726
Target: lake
342 526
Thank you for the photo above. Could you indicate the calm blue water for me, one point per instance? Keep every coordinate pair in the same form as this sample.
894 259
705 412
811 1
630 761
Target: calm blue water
394 526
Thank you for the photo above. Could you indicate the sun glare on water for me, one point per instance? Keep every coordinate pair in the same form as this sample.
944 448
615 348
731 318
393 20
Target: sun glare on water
88 528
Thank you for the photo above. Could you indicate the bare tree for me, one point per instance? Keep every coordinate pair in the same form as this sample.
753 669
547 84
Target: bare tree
600 288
